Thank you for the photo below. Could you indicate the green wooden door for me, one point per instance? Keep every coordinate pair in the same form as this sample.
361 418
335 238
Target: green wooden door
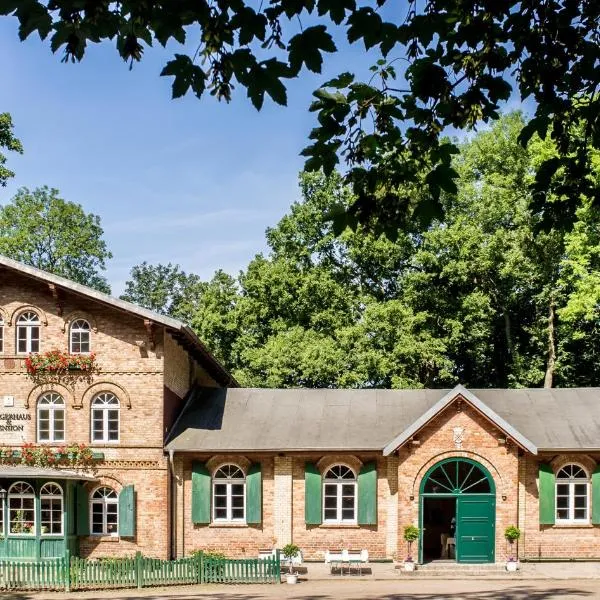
475 528
473 487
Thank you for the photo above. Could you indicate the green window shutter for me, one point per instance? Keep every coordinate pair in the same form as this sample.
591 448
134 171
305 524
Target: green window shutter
312 495
127 512
82 509
200 493
254 495
367 494
596 496
547 495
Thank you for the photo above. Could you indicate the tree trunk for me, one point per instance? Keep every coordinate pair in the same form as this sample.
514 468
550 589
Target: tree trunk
551 347
507 332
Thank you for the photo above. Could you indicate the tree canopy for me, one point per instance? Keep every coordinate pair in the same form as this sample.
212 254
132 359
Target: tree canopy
482 297
442 64
9 142
41 229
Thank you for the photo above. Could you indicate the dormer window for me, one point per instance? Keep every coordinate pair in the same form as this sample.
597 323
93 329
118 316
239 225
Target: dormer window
28 333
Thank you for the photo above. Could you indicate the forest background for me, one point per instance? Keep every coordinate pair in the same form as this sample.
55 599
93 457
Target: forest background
488 296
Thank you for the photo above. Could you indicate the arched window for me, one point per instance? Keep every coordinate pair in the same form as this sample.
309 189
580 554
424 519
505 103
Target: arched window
51 418
79 338
21 508
339 495
572 495
28 333
105 512
105 418
51 509
229 494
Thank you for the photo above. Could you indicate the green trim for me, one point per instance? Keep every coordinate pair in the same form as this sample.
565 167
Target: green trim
367 494
313 492
547 494
596 496
254 495
452 460
127 512
201 493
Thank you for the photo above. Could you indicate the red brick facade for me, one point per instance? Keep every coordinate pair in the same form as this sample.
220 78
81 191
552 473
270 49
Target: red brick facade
149 383
514 472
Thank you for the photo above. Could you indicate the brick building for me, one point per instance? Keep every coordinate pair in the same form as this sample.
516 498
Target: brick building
184 459
146 365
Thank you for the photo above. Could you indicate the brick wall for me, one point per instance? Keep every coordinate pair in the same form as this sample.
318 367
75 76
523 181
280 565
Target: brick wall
481 443
553 541
129 369
234 539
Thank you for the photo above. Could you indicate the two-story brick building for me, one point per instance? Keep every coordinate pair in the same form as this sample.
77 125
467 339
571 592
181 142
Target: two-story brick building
146 365
186 460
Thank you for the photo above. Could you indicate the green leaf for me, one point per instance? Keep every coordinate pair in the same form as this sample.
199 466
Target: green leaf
306 48
341 81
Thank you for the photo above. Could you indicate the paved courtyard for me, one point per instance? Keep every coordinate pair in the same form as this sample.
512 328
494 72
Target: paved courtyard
354 590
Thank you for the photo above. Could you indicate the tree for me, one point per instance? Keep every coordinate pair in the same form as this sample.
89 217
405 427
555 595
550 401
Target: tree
11 143
41 229
165 289
443 64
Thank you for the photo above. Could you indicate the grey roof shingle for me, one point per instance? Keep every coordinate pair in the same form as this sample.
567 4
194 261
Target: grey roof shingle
219 420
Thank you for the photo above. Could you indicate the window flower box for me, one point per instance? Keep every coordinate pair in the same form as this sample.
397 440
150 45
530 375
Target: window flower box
74 456
56 364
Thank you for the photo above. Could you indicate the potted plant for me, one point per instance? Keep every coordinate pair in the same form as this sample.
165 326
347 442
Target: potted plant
411 534
290 551
512 534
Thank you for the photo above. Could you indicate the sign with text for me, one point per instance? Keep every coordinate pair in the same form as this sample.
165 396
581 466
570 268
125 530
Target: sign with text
14 426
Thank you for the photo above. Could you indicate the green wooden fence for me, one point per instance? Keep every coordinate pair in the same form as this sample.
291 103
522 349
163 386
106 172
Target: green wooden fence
73 573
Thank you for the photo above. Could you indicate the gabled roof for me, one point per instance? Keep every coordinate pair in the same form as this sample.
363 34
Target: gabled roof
182 332
473 400
255 420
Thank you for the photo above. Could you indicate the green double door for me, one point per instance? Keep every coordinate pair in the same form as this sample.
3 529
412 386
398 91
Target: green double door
475 528
467 491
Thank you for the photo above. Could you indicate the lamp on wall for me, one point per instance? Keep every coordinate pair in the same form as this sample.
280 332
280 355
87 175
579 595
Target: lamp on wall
2 494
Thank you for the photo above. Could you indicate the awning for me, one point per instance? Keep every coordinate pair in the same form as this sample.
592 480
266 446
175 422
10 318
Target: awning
27 472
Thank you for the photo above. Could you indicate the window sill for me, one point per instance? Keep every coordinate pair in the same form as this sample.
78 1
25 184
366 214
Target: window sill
573 526
103 538
339 526
226 525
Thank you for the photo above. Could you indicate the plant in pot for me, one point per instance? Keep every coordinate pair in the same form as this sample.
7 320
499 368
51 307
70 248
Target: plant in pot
411 534
512 534
290 551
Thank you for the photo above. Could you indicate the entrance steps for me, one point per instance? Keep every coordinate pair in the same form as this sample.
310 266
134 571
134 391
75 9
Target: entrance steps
449 569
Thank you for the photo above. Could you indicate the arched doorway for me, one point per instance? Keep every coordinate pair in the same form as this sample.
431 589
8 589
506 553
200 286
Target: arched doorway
457 501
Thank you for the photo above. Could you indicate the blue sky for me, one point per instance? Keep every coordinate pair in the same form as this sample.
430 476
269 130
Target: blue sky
184 181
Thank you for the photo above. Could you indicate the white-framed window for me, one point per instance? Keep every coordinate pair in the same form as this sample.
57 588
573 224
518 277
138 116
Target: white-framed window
229 494
79 337
1 334
104 513
105 418
572 495
51 418
21 509
28 333
339 495
51 509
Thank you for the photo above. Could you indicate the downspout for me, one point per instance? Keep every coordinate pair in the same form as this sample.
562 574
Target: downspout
173 507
